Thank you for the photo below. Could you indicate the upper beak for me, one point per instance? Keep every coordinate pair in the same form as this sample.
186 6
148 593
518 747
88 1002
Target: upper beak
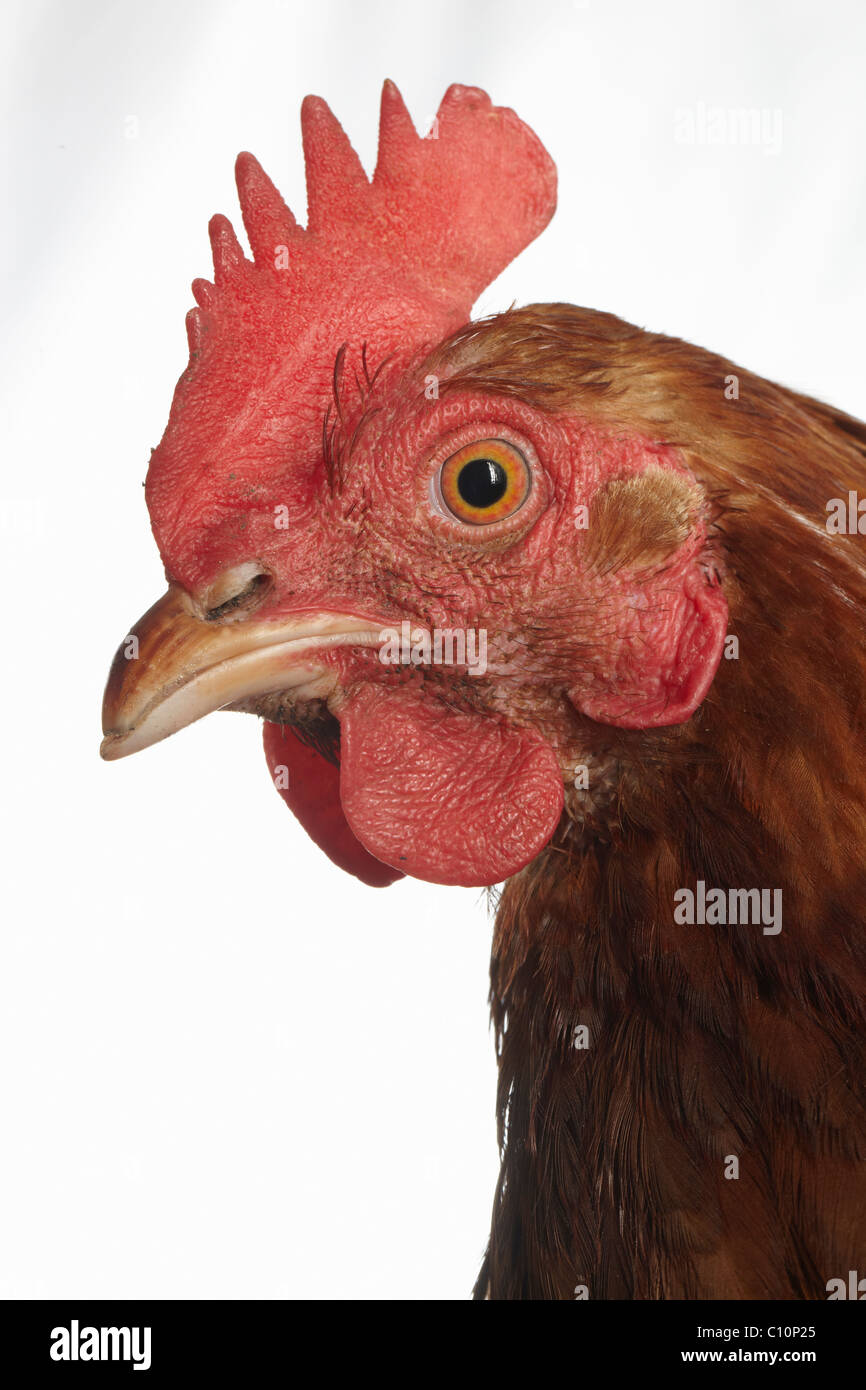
175 667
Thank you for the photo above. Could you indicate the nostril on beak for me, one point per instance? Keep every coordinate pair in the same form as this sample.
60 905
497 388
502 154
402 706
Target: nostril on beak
236 593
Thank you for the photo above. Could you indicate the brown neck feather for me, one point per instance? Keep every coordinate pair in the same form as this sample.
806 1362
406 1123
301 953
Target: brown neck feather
706 1043
703 1043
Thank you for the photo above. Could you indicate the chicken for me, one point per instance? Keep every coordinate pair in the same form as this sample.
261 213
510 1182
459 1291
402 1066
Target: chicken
548 601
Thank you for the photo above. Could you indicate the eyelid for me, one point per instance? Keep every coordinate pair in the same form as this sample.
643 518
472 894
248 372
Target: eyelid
513 468
477 431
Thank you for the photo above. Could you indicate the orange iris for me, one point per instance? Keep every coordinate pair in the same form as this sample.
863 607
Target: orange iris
485 481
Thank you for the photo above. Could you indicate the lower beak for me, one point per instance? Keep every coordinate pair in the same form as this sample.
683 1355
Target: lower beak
175 667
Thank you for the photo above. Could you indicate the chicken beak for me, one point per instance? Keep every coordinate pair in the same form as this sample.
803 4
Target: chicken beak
175 667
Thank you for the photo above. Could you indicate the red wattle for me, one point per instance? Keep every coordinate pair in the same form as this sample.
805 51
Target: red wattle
446 796
313 793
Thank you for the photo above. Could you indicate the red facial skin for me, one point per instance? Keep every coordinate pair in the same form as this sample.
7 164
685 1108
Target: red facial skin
459 778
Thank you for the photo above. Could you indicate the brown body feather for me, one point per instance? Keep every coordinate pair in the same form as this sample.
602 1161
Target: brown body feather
704 1041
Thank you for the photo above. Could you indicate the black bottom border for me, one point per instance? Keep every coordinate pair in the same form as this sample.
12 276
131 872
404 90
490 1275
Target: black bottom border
247 1340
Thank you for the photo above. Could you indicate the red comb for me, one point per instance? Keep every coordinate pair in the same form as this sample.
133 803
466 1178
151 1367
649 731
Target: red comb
444 213
394 263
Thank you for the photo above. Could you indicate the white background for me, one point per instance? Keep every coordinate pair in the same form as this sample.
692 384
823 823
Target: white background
227 1069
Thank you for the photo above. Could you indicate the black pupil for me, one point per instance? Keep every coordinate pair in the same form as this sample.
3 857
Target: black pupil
482 482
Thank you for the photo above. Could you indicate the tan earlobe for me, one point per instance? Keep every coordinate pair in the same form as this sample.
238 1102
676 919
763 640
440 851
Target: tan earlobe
637 522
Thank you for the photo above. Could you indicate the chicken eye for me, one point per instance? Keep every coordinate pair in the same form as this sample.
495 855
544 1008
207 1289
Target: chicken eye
485 481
